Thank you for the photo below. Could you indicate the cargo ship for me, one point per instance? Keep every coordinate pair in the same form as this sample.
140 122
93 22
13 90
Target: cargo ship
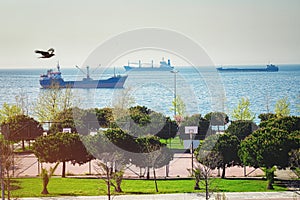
268 68
163 66
55 79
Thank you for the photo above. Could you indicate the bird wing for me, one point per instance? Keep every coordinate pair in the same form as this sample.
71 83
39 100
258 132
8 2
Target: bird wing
44 53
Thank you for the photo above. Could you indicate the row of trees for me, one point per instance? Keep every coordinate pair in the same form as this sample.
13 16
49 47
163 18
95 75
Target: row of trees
273 144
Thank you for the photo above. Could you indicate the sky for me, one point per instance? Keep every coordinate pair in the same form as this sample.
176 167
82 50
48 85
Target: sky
231 32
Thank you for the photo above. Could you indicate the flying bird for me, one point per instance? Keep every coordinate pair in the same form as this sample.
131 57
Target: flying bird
46 54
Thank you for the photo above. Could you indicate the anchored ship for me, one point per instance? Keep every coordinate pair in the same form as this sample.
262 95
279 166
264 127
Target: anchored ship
163 66
55 79
268 68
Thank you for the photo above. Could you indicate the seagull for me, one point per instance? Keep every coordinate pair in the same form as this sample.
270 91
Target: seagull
46 54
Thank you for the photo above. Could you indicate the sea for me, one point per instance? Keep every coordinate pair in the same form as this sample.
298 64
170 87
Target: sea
200 89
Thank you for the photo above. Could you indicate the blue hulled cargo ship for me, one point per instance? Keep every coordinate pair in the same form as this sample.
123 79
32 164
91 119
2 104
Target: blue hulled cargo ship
54 79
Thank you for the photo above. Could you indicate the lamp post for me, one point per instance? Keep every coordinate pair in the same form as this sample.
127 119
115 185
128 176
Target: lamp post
175 95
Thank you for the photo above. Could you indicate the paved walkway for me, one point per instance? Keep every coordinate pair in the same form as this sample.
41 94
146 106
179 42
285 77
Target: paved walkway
28 166
189 196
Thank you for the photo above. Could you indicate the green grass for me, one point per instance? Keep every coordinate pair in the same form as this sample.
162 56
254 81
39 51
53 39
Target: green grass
174 143
32 187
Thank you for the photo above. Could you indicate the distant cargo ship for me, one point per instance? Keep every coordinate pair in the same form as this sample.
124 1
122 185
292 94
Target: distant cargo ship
268 68
163 66
54 78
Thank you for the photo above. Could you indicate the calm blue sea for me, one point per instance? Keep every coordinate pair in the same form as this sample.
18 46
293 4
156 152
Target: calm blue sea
201 90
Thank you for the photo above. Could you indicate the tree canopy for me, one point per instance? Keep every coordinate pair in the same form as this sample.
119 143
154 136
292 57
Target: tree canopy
241 128
282 107
21 127
267 147
61 147
287 123
224 146
9 111
242 111
217 118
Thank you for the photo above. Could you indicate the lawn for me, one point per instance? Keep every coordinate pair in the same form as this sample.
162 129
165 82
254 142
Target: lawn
174 143
32 187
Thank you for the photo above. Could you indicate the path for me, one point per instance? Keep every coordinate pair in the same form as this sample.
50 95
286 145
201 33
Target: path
188 196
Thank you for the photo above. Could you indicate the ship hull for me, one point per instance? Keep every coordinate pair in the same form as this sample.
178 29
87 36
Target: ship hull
245 70
128 68
269 68
113 82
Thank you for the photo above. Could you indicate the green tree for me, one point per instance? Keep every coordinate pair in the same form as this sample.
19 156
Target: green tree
6 163
266 116
113 148
51 102
104 116
287 123
226 146
61 147
82 121
217 118
153 154
268 147
241 128
295 161
123 101
9 111
169 130
180 109
282 107
21 128
69 118
179 106
140 114
142 121
242 111
136 121
208 161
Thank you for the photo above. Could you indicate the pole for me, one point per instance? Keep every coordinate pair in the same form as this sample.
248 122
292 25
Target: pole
175 92
192 156
192 148
90 167
2 182
175 95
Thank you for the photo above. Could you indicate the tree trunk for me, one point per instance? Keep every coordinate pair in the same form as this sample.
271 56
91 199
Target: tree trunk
223 171
270 178
196 187
8 184
206 188
45 191
118 179
108 182
63 174
156 187
23 145
45 183
148 173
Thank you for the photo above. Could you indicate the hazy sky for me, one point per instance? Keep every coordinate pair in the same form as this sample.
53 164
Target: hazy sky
231 31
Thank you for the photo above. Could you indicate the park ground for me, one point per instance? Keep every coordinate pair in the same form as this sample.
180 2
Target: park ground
28 166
